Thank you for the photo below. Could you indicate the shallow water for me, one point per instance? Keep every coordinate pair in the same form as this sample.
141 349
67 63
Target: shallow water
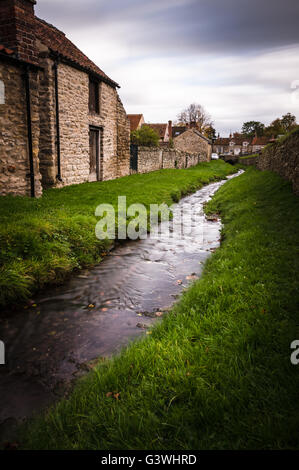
50 344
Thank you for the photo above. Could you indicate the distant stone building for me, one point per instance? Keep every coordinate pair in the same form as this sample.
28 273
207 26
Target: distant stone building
236 144
239 144
193 142
221 145
61 119
258 143
136 121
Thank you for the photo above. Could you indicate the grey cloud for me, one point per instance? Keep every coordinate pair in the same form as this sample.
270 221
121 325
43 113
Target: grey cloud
184 26
234 56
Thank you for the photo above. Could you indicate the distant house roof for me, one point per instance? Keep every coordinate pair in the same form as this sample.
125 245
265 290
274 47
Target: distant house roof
222 141
135 121
264 140
177 130
159 128
57 42
240 140
192 130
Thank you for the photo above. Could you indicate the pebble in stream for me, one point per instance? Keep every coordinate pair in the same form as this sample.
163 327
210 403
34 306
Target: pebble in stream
98 312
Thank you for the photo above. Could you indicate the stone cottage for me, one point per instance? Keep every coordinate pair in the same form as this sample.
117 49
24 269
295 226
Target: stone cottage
221 145
136 121
61 119
193 142
258 143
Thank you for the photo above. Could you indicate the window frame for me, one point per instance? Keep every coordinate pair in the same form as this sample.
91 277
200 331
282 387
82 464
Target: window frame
94 92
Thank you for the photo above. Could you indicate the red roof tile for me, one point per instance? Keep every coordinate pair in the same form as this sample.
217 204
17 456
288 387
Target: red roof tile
240 140
134 121
264 140
222 141
57 42
160 128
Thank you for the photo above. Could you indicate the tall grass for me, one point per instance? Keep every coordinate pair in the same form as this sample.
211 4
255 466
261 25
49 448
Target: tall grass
43 240
216 372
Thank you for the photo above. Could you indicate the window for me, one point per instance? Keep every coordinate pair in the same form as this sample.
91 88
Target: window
2 92
94 101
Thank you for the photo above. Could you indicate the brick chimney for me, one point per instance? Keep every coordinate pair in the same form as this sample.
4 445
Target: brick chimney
17 31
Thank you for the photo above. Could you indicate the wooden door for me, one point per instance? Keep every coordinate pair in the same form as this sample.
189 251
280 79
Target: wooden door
94 145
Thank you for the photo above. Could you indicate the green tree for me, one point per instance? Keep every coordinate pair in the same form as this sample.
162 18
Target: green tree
145 136
209 132
288 122
281 125
274 129
250 128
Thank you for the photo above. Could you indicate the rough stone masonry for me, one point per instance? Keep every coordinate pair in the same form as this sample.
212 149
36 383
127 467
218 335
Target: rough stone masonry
61 119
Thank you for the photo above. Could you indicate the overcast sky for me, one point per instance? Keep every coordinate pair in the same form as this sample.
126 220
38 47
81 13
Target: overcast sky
238 58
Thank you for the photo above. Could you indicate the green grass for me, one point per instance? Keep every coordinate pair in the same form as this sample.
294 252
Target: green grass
216 372
43 240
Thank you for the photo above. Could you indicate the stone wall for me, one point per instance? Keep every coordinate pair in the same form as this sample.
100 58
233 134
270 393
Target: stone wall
14 162
248 161
47 143
75 119
123 140
193 142
283 158
149 159
153 159
74 130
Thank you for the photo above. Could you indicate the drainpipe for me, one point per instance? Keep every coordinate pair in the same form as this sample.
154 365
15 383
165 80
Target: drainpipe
29 131
57 121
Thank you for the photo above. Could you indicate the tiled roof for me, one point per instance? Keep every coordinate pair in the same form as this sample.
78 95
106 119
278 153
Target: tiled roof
134 121
240 140
57 42
160 128
177 130
222 141
264 140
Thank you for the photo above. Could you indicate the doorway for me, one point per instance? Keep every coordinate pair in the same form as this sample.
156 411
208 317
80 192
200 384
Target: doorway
95 145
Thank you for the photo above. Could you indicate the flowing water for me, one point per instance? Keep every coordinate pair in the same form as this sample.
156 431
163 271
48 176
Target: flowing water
99 311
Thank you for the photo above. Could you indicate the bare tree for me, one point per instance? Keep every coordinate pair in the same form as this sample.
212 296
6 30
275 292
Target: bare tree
196 113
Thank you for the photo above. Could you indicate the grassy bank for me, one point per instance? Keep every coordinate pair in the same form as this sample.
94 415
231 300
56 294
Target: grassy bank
43 240
216 372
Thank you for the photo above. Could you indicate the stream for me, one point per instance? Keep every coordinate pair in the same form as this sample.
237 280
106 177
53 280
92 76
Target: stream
99 311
